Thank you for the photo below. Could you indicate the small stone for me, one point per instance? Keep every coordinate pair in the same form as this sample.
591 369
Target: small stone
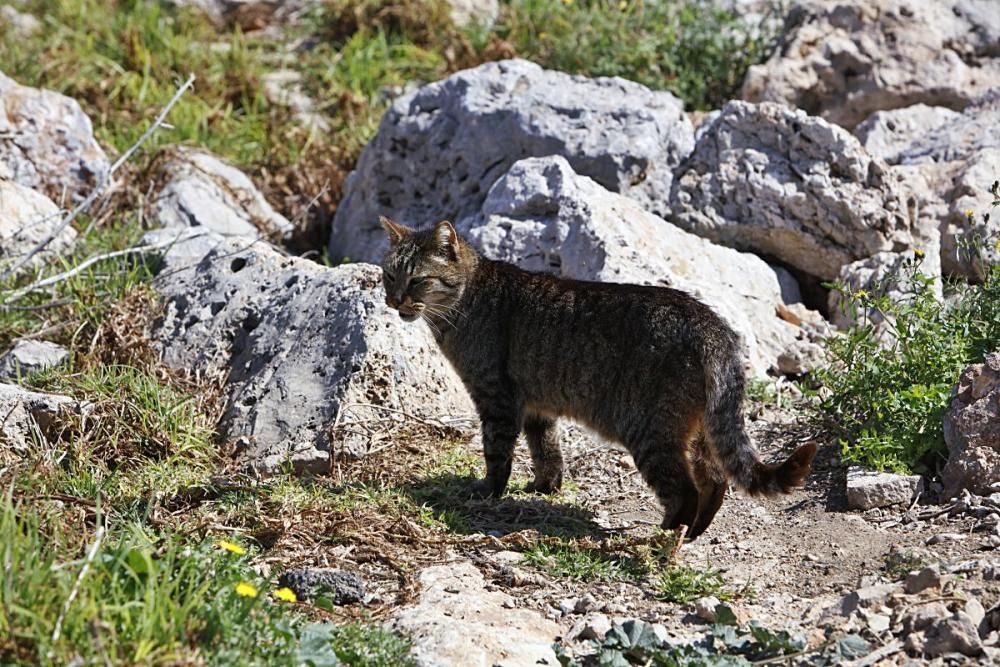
957 634
593 627
878 623
921 580
508 604
585 604
508 557
567 606
974 610
923 616
868 597
31 356
341 586
945 537
704 608
867 489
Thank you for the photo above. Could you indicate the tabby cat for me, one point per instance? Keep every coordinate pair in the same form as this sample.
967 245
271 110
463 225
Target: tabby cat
649 367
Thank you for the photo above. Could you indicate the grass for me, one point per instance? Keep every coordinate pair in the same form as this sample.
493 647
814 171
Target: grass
683 584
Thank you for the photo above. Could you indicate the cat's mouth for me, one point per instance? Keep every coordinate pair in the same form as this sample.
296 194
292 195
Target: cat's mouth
408 317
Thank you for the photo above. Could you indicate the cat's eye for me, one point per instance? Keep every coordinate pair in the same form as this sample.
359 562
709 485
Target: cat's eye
414 282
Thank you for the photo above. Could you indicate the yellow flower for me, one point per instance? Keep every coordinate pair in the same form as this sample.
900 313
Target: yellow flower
231 547
969 213
567 2
286 594
997 244
543 35
860 294
246 590
919 253
622 6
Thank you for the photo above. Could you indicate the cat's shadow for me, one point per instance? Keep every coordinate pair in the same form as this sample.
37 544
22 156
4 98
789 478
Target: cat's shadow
446 495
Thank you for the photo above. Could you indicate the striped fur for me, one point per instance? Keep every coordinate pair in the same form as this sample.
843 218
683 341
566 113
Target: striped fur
649 367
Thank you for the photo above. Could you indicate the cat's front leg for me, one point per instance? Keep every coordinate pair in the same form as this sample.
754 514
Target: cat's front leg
500 430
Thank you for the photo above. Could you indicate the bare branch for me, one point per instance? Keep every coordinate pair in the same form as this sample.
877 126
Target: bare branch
102 186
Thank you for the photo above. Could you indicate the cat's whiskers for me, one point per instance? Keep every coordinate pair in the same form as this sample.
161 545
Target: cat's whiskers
444 315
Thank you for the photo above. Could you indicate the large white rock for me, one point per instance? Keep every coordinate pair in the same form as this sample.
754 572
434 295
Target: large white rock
296 343
950 160
47 143
26 218
438 150
867 489
458 623
845 59
202 191
777 181
545 217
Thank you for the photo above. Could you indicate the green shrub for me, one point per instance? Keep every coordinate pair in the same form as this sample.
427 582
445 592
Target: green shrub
888 392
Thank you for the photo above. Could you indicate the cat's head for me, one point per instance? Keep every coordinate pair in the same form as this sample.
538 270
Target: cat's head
425 272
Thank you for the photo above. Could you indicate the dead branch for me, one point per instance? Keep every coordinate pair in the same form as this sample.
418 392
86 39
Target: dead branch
102 186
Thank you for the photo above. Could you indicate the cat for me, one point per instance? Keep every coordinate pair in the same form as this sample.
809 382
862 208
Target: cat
652 368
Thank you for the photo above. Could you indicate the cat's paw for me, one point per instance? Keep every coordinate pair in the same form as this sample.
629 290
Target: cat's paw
545 487
481 489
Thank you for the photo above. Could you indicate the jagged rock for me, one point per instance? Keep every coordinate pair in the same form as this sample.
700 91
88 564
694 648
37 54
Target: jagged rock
438 150
202 191
867 489
972 430
921 617
47 143
26 218
340 586
458 622
867 597
949 165
704 608
955 634
888 134
845 59
544 217
297 343
32 418
892 274
593 627
792 186
31 356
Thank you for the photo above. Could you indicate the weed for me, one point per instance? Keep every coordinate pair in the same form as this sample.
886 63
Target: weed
572 561
683 584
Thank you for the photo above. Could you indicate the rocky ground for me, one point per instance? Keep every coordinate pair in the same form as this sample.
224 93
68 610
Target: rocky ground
196 346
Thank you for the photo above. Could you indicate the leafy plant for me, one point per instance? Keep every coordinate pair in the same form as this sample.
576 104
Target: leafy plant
890 377
683 584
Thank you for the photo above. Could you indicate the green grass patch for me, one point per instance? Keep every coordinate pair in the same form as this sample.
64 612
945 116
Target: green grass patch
570 561
135 597
683 584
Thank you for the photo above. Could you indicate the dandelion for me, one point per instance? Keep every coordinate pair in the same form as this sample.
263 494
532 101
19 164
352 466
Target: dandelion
246 590
918 253
860 294
231 547
622 6
286 594
969 213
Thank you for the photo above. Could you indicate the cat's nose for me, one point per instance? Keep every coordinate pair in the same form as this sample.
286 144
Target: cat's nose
391 301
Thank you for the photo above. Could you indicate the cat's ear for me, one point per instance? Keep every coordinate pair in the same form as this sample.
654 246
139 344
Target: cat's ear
395 231
447 239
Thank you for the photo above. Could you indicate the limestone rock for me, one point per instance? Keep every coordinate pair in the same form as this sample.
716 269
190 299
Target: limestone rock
31 418
955 634
31 356
458 622
888 134
203 191
792 186
482 13
439 150
972 430
948 161
845 59
297 343
284 87
921 580
867 489
26 218
545 217
19 25
47 142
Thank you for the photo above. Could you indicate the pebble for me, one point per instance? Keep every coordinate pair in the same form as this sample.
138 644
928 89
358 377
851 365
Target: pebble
593 627
974 610
568 606
945 537
704 608
921 580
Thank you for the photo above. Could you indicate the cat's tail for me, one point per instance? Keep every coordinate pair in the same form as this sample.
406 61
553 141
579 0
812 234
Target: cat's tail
723 425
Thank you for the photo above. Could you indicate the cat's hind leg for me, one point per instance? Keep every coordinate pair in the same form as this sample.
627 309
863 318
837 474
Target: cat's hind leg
542 435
